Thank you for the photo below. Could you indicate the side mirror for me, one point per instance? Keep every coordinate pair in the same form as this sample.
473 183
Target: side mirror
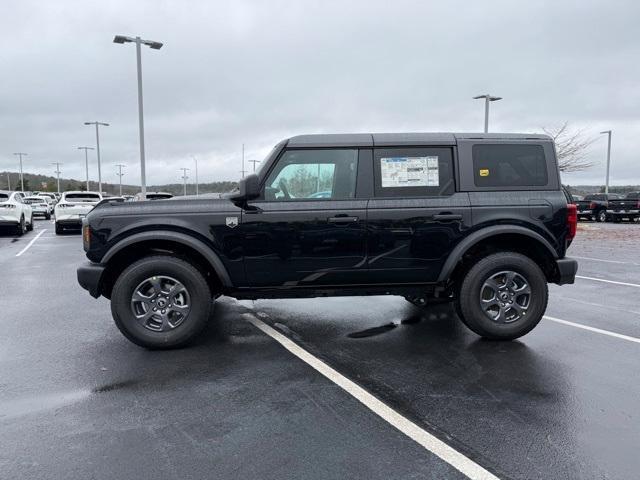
248 189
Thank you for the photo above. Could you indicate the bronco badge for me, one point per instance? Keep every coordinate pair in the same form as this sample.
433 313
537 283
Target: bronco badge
232 222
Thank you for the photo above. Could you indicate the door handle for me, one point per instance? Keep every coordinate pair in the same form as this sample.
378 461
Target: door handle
442 217
342 219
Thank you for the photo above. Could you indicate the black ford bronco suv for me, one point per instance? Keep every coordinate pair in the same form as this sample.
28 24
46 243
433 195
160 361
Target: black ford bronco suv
477 219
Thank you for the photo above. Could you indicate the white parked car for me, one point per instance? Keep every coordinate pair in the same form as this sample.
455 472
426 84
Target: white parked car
14 212
40 206
73 207
51 196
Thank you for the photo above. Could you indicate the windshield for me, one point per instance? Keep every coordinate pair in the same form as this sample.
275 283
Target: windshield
83 197
633 196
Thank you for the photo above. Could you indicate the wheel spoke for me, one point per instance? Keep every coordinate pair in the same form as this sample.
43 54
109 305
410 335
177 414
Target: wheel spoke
177 289
139 297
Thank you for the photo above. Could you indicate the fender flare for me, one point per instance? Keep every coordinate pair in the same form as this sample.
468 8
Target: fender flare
178 237
487 232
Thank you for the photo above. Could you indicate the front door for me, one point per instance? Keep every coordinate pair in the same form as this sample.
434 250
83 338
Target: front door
307 228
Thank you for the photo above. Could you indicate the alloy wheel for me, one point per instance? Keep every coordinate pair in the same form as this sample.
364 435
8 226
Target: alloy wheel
160 303
505 297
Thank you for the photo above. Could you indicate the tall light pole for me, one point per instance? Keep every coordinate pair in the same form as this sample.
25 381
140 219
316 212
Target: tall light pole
184 177
156 46
20 154
196 160
243 170
487 98
86 162
98 150
120 174
8 181
606 185
254 164
57 172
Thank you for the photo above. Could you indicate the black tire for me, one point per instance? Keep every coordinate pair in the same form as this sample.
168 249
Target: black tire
47 216
190 277
59 229
30 226
473 286
20 228
601 216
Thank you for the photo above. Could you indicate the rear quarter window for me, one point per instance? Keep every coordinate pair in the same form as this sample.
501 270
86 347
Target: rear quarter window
509 165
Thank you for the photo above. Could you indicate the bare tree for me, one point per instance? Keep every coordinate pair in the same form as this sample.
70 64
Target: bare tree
572 147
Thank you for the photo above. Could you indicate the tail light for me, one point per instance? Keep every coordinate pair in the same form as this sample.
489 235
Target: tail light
592 205
638 204
86 236
8 205
572 220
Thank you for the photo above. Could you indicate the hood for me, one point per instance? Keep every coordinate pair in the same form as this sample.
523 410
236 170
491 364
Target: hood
169 206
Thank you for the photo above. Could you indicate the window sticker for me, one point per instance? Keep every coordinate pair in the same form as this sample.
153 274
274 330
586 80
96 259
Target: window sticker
410 172
484 172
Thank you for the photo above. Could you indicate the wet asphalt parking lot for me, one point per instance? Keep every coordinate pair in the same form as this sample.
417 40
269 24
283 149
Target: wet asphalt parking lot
78 401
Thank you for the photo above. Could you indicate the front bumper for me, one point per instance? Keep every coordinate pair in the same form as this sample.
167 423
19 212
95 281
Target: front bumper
90 277
623 213
567 269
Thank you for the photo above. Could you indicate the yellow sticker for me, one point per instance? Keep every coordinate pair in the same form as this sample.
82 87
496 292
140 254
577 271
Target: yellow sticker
484 172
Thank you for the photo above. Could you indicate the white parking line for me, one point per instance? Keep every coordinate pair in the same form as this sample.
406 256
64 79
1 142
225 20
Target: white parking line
593 329
454 458
30 243
609 281
606 261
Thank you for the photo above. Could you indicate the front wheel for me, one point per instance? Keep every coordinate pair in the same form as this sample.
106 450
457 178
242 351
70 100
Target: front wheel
503 296
601 216
161 302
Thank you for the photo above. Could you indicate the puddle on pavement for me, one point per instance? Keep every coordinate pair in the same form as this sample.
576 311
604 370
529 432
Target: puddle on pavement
371 332
42 403
25 406
114 386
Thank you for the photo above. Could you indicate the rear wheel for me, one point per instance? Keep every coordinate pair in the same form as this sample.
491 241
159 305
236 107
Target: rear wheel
503 296
30 225
161 302
21 228
59 229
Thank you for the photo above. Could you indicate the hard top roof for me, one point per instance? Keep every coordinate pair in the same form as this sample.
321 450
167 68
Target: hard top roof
399 139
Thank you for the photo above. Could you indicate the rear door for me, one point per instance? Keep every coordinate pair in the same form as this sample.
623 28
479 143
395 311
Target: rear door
415 217
308 228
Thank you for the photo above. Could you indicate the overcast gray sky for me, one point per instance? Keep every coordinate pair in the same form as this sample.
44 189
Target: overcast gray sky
234 72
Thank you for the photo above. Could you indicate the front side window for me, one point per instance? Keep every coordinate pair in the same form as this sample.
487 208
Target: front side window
328 174
413 172
504 165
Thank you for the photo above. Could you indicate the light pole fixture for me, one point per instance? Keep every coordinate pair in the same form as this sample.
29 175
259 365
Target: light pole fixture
254 164
184 177
98 150
487 98
57 172
243 170
606 185
86 162
21 154
120 174
156 46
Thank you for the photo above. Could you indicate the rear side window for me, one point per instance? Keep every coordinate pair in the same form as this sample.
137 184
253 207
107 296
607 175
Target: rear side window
413 172
86 197
505 165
